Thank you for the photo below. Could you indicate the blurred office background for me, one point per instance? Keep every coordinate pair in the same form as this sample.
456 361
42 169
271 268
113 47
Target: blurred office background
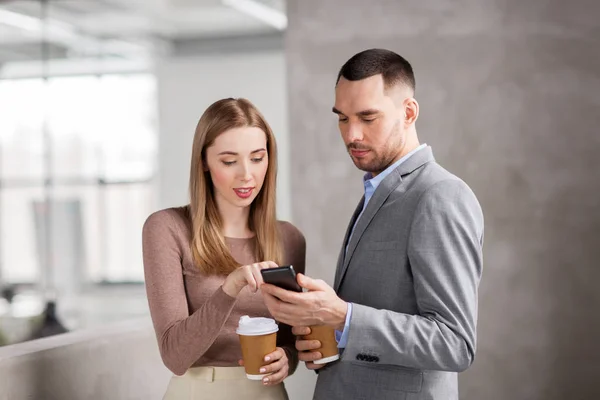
98 104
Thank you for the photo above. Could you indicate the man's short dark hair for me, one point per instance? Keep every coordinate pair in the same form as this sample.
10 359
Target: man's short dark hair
393 68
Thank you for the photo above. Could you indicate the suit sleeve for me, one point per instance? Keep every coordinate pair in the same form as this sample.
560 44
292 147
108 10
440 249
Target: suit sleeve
445 256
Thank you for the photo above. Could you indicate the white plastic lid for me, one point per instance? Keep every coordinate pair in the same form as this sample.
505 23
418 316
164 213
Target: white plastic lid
256 326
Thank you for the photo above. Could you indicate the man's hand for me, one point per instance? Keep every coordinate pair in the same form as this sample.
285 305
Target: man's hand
304 347
319 306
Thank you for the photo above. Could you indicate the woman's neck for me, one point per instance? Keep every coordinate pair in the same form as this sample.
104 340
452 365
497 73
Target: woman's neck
235 220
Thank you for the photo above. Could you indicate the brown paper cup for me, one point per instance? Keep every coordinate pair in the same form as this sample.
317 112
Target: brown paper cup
254 350
258 337
326 335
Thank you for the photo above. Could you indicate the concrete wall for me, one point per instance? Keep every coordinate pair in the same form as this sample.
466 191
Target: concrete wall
509 93
120 361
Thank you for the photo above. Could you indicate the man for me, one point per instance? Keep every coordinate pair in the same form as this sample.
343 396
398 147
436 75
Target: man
405 300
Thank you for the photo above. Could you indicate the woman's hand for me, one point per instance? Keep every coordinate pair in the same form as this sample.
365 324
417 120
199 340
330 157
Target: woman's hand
247 275
277 370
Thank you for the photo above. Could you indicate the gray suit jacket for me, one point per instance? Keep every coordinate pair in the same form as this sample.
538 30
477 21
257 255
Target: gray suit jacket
412 271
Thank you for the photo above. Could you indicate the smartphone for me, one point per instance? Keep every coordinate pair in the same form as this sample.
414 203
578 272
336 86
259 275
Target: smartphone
283 277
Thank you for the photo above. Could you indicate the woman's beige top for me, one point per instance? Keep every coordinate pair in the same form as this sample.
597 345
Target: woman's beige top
194 319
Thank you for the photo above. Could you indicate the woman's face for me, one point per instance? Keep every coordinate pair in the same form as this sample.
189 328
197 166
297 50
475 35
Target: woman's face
237 162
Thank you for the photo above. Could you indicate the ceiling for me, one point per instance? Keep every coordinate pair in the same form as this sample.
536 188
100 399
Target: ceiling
126 30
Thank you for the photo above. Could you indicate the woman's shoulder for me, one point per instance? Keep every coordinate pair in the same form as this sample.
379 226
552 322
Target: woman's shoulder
175 218
290 234
294 245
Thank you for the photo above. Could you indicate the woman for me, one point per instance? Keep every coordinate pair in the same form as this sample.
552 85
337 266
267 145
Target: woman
202 262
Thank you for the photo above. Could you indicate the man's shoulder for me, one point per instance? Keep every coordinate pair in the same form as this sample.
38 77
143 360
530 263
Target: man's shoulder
438 189
432 173
432 177
432 183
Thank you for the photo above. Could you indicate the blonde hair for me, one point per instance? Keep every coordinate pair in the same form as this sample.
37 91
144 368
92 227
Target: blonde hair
209 249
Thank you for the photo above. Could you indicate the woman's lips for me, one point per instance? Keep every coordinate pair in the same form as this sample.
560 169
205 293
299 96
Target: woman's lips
244 193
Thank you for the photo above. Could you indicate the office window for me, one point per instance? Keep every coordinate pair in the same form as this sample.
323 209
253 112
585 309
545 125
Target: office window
98 176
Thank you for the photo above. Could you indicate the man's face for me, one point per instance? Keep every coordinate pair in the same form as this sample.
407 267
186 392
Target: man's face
371 122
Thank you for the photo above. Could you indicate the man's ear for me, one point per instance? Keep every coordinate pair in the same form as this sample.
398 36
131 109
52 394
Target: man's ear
411 111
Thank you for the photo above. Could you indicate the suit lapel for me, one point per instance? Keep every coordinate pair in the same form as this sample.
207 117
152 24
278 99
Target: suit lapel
385 188
340 261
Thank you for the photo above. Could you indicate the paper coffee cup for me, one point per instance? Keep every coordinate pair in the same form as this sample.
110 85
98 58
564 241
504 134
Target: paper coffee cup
258 337
326 335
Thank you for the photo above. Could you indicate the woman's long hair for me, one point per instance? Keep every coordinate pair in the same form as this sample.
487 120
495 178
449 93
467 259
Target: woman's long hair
209 250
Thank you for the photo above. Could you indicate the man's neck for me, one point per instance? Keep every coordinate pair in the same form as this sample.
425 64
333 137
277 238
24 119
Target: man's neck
412 142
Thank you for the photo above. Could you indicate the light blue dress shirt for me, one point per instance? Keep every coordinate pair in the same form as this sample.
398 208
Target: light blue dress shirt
371 183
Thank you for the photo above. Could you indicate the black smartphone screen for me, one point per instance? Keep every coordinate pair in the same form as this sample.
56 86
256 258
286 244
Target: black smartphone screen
283 277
